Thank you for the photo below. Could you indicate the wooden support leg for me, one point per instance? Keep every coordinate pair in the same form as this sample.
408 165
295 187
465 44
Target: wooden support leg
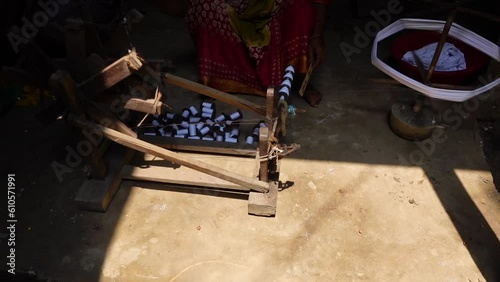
270 103
96 195
264 204
63 84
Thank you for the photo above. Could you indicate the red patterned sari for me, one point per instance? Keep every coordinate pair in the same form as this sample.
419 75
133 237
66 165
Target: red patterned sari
226 63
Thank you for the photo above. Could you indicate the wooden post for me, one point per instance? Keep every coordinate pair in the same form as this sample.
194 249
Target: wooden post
270 103
263 151
165 154
62 83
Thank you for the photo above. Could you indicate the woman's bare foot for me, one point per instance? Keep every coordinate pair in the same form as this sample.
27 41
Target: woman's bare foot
313 96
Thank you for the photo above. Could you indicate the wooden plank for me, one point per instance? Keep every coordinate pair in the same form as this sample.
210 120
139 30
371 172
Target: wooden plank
165 154
181 175
263 151
109 76
201 146
270 103
264 204
96 195
306 80
256 169
214 93
149 106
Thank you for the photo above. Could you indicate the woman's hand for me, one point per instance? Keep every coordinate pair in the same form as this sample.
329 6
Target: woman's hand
316 50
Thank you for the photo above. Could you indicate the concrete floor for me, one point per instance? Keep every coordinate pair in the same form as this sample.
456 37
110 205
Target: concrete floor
357 210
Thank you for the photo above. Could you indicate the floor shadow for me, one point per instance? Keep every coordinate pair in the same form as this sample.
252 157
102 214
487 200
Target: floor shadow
477 235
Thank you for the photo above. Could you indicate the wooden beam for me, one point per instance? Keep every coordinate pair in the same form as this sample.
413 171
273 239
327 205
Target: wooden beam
149 106
165 154
110 75
189 145
216 94
264 204
180 176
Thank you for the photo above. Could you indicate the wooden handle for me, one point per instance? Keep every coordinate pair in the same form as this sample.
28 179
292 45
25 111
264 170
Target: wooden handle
306 80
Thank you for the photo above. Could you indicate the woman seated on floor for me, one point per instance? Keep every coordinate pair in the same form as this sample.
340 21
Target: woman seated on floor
244 46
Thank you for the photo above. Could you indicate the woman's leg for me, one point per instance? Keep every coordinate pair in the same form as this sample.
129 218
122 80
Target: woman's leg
223 59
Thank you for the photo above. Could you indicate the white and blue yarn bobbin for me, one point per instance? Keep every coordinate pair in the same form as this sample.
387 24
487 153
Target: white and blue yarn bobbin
222 117
171 116
288 76
182 132
184 124
185 113
204 131
208 105
256 130
209 122
207 110
284 93
251 139
235 132
236 115
194 119
192 129
208 115
156 123
287 84
194 111
231 140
